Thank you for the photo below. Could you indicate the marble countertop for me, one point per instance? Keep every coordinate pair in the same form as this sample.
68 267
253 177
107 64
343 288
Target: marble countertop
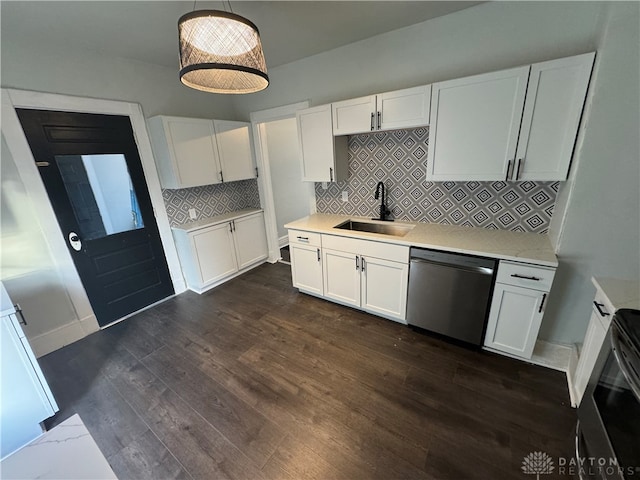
67 451
210 221
501 244
621 293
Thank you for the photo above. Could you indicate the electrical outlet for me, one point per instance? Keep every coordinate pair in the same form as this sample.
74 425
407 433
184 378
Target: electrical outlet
345 196
192 214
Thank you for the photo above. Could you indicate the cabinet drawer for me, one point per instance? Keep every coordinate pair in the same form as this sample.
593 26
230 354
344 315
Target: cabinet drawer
386 251
305 238
522 275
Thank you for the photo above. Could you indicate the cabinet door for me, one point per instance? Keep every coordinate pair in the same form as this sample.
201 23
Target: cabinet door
384 287
193 150
552 111
342 277
514 319
407 108
324 159
357 115
215 253
235 149
593 339
24 402
306 268
250 239
474 125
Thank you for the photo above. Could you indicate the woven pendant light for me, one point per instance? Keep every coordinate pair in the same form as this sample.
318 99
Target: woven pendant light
221 52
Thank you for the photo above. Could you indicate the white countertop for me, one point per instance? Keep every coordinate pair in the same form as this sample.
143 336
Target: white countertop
621 293
65 452
521 247
209 221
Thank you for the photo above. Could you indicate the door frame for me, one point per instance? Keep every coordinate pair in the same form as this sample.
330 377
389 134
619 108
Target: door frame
265 186
25 163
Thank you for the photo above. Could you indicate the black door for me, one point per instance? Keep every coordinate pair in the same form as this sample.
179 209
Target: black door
92 172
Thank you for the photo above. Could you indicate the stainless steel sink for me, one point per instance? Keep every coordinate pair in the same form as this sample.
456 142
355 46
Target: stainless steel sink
384 228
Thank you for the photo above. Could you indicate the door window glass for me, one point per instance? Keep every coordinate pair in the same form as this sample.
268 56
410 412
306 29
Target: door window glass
101 194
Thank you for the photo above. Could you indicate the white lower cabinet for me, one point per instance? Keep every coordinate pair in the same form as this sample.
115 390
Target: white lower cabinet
369 275
212 254
517 308
306 261
596 332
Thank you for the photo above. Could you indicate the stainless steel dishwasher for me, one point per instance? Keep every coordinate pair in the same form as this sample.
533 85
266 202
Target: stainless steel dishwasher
450 293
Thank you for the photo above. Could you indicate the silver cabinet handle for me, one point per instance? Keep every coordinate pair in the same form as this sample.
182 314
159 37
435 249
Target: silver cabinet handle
508 168
379 120
544 297
520 162
318 254
303 239
599 308
362 263
230 227
372 125
357 263
330 174
524 277
19 314
221 177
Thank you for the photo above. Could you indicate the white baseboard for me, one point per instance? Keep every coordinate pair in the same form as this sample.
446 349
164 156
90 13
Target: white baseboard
58 337
283 241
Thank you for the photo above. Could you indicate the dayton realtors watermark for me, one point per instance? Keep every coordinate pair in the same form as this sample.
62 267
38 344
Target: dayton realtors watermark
541 463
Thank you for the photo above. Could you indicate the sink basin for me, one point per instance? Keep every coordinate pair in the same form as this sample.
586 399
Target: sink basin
384 228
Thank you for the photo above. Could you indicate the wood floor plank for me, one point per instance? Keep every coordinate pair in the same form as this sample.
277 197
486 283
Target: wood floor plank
255 380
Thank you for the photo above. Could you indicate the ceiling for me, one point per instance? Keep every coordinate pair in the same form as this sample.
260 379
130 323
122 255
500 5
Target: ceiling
147 30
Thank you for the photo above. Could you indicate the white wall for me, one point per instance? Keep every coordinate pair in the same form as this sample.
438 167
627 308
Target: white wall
291 196
600 233
27 267
480 39
72 71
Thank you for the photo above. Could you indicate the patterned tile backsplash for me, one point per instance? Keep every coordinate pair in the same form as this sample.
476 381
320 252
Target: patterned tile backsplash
210 200
398 159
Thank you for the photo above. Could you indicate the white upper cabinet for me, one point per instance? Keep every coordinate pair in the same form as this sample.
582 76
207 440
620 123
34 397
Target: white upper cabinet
552 111
406 108
474 125
324 157
186 151
235 150
191 152
516 124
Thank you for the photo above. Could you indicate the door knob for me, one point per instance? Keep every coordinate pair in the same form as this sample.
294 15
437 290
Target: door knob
74 241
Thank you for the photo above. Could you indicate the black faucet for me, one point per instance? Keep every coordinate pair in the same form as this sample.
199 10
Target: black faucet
384 211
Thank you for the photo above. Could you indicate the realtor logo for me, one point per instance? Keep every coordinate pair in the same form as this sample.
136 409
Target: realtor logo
537 463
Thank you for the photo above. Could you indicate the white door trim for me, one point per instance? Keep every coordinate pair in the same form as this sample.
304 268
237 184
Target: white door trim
25 163
264 179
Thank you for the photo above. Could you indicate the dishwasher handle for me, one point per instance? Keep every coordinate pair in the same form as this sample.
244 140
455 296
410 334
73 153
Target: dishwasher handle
465 268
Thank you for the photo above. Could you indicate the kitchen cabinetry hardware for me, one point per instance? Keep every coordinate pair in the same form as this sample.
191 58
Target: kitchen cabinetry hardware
318 254
525 277
379 120
257 172
221 177
362 264
230 227
303 239
20 314
544 297
372 125
599 308
357 263
520 162
506 179
46 164
331 174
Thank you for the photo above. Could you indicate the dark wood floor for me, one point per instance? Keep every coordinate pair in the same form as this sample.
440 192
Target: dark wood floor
255 380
